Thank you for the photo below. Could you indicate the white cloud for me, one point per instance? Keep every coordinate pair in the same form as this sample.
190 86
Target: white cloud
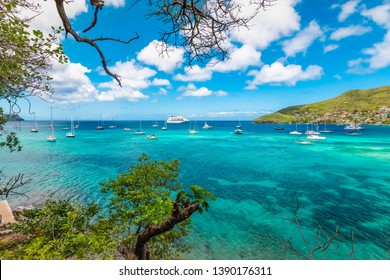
166 61
48 16
277 73
347 9
133 78
131 75
267 26
380 15
302 41
331 47
380 53
115 3
225 114
354 30
195 73
239 59
192 90
121 93
161 82
71 84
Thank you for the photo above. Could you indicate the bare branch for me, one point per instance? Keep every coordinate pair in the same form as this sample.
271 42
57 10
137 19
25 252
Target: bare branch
323 243
92 42
10 185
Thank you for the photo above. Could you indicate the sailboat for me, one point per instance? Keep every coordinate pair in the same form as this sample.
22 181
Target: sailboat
238 129
355 129
165 127
51 137
127 128
101 124
139 131
206 126
35 128
295 132
78 124
71 133
193 130
305 142
325 130
279 127
113 124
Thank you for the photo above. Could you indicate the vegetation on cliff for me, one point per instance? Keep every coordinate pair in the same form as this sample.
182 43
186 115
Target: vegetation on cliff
368 106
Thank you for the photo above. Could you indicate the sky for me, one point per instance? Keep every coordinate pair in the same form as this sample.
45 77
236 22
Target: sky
295 52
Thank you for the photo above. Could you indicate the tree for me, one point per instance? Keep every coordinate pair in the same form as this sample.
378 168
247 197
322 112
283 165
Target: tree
26 58
60 230
151 210
148 213
201 27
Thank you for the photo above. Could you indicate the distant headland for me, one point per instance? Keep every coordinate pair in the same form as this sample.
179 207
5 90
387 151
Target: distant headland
371 106
12 117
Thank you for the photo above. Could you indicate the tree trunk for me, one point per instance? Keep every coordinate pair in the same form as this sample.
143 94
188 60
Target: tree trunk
141 248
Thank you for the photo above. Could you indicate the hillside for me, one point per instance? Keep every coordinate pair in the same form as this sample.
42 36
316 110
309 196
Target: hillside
368 106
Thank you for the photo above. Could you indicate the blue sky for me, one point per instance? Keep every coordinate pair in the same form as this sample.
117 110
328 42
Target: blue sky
295 52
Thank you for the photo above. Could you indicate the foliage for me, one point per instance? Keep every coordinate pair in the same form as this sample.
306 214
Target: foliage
275 118
362 104
26 58
61 230
142 213
142 199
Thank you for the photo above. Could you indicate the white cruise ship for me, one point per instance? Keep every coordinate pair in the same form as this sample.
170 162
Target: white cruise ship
178 119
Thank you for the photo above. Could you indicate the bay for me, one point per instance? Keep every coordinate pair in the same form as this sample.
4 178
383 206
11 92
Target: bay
342 181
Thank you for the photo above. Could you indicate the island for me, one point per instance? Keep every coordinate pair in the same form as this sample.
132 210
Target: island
370 106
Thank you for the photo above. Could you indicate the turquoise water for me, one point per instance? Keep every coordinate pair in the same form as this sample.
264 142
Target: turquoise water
343 181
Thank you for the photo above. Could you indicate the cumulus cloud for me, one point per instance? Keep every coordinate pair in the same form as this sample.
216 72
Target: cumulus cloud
277 73
347 9
161 82
121 93
239 59
226 114
302 41
166 61
195 73
380 15
331 47
71 84
192 90
380 53
48 16
354 30
275 22
133 79
115 3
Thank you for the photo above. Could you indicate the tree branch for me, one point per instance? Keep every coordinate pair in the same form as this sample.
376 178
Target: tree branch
69 29
178 215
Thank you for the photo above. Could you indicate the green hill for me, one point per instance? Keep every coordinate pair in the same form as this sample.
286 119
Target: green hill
368 106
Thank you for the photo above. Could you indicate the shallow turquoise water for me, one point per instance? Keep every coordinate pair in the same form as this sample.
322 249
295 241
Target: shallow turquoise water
344 181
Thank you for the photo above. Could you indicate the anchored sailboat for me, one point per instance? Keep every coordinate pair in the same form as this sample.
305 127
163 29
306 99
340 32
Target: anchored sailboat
51 137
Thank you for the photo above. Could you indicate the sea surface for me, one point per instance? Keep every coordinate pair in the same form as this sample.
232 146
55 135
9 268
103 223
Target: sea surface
342 182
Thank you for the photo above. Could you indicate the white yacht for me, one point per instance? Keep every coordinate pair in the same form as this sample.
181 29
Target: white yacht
206 126
305 142
51 137
35 128
315 137
178 119
71 133
353 127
